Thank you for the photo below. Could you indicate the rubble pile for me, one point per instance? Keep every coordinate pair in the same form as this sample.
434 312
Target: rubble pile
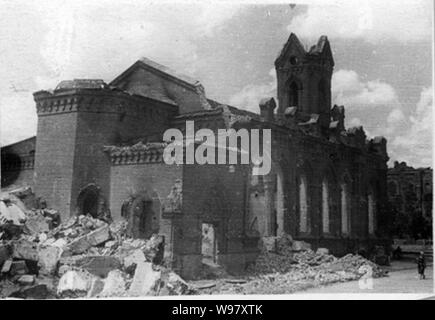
82 257
295 256
293 266
40 257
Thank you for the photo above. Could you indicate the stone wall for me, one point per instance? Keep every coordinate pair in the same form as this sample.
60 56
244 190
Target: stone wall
328 165
73 128
54 160
154 181
215 194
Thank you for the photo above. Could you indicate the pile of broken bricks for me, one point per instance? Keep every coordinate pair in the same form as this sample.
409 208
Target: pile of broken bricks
296 258
286 266
83 257
86 257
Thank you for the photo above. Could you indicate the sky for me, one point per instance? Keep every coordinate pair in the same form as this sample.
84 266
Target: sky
382 51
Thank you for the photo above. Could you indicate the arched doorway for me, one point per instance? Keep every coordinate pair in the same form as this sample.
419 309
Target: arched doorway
11 166
143 215
88 200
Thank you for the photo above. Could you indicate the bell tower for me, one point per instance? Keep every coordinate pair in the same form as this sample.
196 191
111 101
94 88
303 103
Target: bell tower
304 78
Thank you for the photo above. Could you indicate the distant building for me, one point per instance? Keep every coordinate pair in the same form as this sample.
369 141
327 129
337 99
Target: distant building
99 146
410 190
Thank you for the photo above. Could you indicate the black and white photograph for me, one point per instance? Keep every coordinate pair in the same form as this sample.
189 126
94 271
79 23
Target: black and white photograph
216 150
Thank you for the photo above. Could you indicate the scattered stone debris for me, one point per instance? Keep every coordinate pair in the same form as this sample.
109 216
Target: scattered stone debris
75 284
145 280
26 280
115 285
82 257
40 258
287 266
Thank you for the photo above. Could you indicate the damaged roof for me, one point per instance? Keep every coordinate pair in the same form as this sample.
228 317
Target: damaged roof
81 84
151 93
169 71
150 64
233 110
322 47
98 84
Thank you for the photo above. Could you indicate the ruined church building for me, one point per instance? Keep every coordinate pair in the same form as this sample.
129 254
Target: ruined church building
99 147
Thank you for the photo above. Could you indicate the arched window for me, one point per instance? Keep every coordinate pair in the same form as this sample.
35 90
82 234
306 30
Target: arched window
279 204
321 95
303 205
371 213
325 206
142 213
294 95
345 212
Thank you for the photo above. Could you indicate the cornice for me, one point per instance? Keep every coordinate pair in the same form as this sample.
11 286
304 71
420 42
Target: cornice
100 101
136 154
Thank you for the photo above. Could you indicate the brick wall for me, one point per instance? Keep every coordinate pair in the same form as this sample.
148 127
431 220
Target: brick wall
54 160
17 164
70 145
153 180
127 180
217 195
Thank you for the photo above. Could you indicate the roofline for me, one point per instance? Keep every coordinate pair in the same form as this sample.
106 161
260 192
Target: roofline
114 90
11 144
322 41
142 64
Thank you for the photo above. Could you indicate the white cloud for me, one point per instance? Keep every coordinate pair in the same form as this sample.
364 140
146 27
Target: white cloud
213 14
101 39
415 144
83 39
249 97
355 122
350 90
371 20
396 116
396 124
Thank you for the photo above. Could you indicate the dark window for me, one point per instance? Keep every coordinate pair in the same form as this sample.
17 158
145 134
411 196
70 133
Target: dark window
322 95
294 95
